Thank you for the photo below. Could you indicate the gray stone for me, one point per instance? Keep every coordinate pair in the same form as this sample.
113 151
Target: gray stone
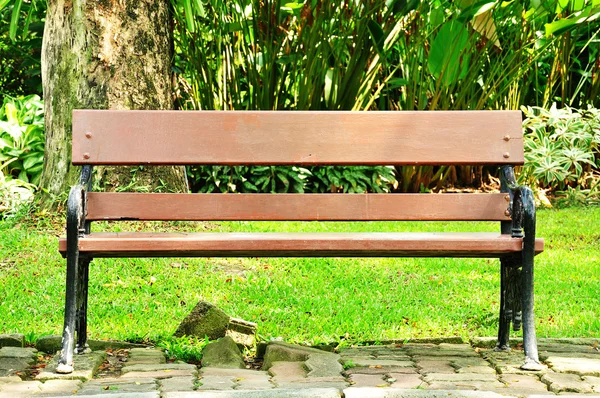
354 392
561 382
278 351
380 370
85 366
205 320
459 377
256 382
15 364
476 369
399 380
284 371
323 365
223 353
235 373
145 356
21 387
158 368
366 362
18 352
153 394
116 385
12 340
274 393
162 374
523 384
362 380
314 382
242 332
579 365
177 384
59 387
593 381
216 383
49 344
102 345
433 366
429 352
476 385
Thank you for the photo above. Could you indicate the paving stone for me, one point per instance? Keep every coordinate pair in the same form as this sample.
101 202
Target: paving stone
580 366
258 382
397 357
85 366
287 370
455 347
162 374
186 383
561 382
402 393
245 373
441 353
278 351
216 383
380 370
10 366
21 387
140 356
59 387
433 366
593 381
399 380
152 394
49 344
118 385
12 340
466 385
314 382
589 349
459 377
523 384
476 369
223 353
274 393
362 380
466 362
18 352
158 367
9 379
378 362
323 365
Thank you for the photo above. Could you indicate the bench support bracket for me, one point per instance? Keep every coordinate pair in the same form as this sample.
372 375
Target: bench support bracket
77 276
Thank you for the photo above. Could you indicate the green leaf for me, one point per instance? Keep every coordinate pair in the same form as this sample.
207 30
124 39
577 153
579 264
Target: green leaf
377 35
3 4
446 57
189 15
14 20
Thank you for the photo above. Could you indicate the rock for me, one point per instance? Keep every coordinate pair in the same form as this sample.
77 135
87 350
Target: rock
204 320
278 351
12 340
223 353
242 332
49 344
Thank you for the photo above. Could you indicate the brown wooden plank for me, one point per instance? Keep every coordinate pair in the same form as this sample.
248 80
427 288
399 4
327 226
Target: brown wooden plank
307 138
450 244
300 207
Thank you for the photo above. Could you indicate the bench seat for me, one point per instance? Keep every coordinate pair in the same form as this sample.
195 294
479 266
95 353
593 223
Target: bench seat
372 244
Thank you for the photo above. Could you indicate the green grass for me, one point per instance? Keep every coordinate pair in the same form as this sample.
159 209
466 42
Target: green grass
305 300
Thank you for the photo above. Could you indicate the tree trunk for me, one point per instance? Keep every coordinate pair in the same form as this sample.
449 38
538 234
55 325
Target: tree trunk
104 54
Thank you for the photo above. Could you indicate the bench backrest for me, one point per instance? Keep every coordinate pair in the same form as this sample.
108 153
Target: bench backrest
297 138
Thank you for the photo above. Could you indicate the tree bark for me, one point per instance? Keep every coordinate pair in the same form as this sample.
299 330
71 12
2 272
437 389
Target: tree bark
104 54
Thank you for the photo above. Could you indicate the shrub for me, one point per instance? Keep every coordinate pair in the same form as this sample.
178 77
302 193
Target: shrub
22 138
562 150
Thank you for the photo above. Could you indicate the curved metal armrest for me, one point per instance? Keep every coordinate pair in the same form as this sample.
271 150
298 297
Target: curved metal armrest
76 224
517 205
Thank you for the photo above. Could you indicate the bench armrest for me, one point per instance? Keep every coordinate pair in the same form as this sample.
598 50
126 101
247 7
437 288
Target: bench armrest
522 206
76 224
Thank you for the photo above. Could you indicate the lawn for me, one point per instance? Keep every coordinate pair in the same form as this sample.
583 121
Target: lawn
305 300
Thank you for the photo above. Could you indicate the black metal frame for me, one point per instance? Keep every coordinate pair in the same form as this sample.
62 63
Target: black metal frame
77 275
516 282
516 285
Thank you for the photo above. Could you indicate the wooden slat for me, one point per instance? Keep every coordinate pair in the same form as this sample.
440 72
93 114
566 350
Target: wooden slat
301 207
450 244
307 138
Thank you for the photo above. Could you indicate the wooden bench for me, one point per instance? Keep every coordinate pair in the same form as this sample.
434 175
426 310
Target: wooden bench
302 138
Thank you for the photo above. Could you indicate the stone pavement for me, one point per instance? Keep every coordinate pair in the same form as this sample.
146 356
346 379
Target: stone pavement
426 370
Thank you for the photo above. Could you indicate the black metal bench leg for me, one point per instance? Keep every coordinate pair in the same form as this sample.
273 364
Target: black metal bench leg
504 321
529 338
84 269
65 363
